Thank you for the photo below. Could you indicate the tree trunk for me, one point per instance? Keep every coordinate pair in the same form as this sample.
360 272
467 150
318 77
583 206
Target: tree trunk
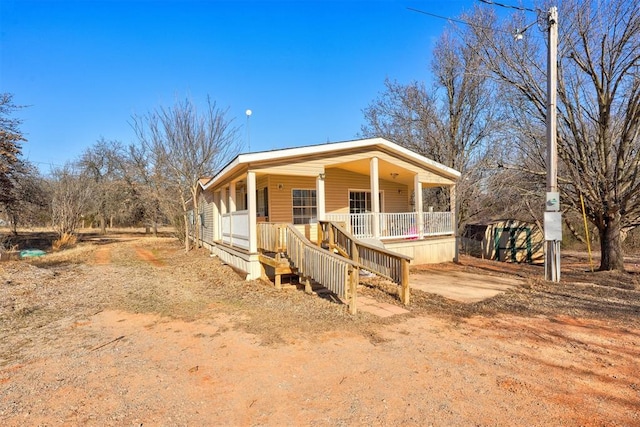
103 225
612 256
155 229
187 245
196 217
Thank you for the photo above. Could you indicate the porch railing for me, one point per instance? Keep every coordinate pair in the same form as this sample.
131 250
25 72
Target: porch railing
388 264
403 225
235 229
336 273
398 226
437 223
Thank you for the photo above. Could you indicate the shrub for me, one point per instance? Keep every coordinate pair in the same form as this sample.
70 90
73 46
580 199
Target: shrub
66 240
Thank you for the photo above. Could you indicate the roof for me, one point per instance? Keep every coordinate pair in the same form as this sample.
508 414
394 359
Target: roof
204 180
296 152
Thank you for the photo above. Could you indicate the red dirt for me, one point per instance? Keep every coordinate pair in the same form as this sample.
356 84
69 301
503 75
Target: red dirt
148 256
227 359
502 371
102 256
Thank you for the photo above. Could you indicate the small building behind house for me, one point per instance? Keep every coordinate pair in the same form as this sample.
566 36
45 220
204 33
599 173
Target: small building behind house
508 240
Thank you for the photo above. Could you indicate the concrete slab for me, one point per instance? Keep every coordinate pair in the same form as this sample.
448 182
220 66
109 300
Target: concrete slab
380 309
461 286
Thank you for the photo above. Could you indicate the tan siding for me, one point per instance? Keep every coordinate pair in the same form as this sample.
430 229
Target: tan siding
280 193
396 197
338 182
262 181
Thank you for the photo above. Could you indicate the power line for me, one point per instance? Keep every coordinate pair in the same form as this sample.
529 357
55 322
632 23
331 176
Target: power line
508 6
460 21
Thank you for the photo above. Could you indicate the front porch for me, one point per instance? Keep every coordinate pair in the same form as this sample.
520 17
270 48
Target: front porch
375 189
427 237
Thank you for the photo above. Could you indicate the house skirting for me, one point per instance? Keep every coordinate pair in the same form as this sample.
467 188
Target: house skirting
432 250
239 259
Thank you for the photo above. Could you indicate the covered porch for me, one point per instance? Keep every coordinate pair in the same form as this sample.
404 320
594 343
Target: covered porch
333 182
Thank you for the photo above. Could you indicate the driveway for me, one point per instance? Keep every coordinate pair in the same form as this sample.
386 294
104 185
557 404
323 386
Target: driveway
461 286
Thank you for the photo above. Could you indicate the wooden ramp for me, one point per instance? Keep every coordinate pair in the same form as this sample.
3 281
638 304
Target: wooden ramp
334 263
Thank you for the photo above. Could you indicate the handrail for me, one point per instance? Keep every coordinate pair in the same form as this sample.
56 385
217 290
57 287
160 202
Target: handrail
271 237
340 275
385 263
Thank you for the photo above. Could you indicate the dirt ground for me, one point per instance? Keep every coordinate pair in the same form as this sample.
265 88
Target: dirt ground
129 330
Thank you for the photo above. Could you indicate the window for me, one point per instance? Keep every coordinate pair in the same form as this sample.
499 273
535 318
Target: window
262 199
304 206
360 202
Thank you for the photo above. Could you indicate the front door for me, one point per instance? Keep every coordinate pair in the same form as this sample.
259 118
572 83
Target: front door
359 206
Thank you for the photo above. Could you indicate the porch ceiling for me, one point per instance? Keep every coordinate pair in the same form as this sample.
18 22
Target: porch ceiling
386 170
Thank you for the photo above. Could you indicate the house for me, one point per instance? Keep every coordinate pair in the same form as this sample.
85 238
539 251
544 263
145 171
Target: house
372 188
509 240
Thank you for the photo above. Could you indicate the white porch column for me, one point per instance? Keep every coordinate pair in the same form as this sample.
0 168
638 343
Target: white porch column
232 197
232 208
251 207
417 191
375 195
454 217
223 201
216 216
320 199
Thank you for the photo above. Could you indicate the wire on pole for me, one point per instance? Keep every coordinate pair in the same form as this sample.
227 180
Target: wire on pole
508 6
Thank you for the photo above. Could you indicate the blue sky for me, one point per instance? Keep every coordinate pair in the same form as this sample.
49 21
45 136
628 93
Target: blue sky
306 69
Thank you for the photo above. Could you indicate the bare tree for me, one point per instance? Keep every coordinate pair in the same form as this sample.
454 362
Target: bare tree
10 149
185 145
104 164
453 122
153 195
72 195
598 108
30 203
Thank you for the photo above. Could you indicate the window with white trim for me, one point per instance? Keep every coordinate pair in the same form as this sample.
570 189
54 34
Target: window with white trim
304 206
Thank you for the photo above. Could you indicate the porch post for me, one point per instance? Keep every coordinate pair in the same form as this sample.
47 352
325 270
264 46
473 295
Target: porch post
216 216
320 200
232 208
223 210
454 218
251 207
417 191
232 197
375 196
223 201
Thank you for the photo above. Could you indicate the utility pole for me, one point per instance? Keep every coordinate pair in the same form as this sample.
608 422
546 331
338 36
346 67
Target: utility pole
552 215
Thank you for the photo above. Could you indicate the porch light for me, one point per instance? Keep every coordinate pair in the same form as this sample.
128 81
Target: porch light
394 175
321 176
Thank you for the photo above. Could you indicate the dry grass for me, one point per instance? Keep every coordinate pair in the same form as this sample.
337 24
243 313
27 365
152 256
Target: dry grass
42 294
49 328
66 241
